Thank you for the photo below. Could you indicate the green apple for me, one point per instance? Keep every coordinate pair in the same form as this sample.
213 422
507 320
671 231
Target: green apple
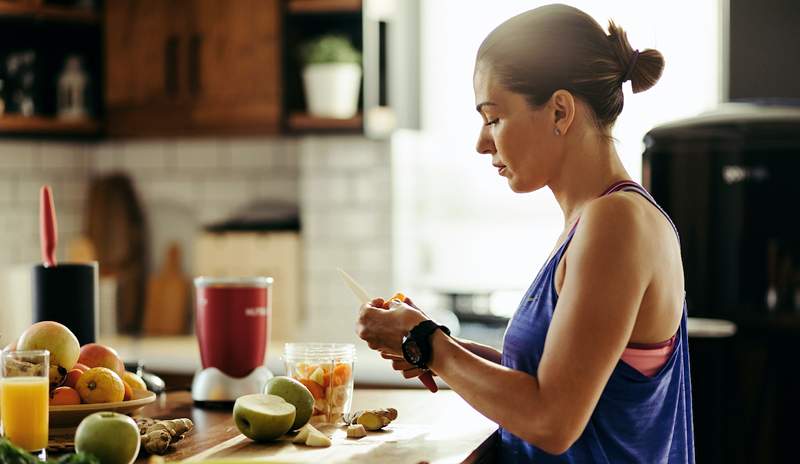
111 437
263 417
294 393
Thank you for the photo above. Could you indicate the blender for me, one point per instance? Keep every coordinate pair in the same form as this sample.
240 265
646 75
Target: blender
232 327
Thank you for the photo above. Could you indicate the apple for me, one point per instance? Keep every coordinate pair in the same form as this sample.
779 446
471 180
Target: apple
111 437
97 355
57 339
294 393
72 377
81 367
263 417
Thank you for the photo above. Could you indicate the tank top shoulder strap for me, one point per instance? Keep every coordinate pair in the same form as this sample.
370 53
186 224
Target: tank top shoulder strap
631 186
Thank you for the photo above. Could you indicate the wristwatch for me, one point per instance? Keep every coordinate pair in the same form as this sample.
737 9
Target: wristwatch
417 344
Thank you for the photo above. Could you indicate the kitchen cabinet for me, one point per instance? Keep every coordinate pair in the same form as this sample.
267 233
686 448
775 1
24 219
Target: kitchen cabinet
39 37
187 67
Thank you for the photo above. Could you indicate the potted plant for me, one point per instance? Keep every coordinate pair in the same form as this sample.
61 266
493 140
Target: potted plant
331 76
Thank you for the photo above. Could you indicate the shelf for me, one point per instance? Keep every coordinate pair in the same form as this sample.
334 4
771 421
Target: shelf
39 125
324 6
301 122
48 13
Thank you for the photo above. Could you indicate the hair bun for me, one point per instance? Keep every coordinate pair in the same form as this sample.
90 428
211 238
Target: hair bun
643 68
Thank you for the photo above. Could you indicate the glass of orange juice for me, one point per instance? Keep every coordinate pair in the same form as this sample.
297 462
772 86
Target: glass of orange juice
24 389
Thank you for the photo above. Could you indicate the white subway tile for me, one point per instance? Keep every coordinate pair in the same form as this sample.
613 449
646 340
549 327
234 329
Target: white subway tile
62 156
16 155
28 189
8 186
144 156
374 257
252 154
279 189
197 155
106 157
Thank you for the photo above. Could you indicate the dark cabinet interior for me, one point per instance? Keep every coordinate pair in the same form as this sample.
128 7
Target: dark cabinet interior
37 40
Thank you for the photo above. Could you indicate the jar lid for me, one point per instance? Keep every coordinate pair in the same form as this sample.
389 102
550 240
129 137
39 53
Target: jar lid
257 281
319 351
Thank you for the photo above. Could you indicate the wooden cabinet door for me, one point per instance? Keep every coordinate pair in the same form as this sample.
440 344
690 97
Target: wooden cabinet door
234 65
145 43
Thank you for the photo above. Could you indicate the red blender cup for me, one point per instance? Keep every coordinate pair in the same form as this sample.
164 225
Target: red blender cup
232 328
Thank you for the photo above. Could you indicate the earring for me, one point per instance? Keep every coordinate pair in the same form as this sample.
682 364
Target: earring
557 131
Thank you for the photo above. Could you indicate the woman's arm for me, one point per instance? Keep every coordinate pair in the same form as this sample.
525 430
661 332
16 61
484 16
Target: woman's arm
607 273
484 351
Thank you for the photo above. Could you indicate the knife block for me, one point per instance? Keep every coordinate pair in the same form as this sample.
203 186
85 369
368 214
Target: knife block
68 294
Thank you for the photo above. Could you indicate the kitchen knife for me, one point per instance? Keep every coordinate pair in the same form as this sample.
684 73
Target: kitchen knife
363 297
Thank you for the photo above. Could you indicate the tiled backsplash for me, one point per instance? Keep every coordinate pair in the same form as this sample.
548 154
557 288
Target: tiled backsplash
341 184
345 198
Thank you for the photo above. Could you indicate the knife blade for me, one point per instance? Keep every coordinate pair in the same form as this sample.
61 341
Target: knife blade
358 290
363 297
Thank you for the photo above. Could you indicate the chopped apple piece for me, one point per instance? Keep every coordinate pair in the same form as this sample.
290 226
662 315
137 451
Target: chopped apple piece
303 434
318 376
317 438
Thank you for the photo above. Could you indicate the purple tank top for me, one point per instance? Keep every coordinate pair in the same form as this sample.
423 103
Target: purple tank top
637 418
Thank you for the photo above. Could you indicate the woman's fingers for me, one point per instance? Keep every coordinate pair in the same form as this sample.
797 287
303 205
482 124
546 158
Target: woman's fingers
413 372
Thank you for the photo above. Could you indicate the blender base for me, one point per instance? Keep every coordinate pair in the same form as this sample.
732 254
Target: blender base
212 387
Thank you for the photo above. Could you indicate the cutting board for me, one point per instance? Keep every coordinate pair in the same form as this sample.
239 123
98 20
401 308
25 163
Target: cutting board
434 428
167 303
400 443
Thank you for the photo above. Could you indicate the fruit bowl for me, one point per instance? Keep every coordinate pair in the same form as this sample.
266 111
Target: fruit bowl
72 415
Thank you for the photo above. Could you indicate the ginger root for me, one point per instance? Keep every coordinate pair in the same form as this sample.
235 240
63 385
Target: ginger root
356 431
158 435
371 419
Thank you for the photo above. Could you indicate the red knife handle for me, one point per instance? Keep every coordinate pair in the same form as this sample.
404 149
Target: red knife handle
427 379
47 226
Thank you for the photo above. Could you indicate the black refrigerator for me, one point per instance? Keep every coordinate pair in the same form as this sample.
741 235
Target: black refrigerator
730 180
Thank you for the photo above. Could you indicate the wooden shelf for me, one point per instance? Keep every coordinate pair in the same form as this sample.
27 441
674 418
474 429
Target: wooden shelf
39 125
324 6
48 12
301 122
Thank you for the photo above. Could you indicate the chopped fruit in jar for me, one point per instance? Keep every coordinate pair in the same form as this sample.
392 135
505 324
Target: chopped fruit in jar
317 391
339 396
301 370
320 377
320 407
341 374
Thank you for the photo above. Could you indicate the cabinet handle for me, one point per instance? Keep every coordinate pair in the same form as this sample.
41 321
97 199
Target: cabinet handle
171 65
195 46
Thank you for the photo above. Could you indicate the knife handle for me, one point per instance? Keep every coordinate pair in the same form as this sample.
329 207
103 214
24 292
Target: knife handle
427 379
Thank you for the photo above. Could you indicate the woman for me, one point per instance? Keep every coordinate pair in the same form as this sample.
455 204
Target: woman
595 364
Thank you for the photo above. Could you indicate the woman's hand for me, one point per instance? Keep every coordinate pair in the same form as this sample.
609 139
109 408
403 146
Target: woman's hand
384 329
405 368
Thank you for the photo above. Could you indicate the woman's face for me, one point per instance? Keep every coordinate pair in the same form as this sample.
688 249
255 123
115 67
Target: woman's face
520 139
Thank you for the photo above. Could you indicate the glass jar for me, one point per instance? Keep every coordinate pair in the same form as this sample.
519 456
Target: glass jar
326 369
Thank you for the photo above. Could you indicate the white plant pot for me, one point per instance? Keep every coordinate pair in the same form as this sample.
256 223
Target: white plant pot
332 89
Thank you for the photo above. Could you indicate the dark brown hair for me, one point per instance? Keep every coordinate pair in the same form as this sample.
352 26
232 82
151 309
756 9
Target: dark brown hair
560 47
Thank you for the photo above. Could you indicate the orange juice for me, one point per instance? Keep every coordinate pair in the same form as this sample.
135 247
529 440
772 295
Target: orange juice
23 406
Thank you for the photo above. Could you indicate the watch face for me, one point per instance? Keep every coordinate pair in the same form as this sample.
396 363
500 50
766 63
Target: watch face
411 351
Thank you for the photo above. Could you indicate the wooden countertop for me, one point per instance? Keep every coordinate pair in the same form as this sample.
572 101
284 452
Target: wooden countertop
431 427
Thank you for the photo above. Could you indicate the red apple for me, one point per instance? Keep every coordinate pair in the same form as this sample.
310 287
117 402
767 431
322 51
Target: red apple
97 355
72 377
54 337
81 367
